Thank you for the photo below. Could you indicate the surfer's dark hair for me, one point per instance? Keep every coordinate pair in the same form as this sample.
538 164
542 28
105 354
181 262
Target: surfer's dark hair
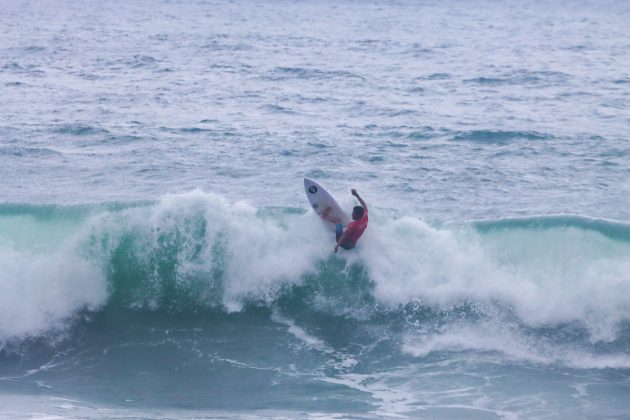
358 210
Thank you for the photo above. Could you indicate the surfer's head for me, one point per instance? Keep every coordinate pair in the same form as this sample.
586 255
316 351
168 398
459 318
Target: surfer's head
357 212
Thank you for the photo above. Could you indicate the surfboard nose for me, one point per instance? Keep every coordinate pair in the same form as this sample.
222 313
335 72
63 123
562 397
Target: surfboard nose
310 186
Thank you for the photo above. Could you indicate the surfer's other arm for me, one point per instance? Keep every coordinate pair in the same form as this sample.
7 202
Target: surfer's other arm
341 240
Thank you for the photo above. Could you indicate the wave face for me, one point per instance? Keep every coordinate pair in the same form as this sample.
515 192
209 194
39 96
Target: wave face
194 271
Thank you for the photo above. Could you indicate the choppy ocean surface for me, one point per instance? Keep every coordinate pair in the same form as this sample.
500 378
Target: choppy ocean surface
158 258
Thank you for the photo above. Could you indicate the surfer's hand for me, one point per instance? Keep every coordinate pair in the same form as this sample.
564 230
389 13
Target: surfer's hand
354 192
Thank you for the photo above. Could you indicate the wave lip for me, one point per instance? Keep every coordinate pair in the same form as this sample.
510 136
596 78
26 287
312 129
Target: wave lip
609 228
80 130
281 73
21 151
527 78
500 136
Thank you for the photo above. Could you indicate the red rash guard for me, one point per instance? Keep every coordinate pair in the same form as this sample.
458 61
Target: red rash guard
354 230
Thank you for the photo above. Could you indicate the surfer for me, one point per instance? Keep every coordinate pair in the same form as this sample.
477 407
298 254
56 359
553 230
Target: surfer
348 238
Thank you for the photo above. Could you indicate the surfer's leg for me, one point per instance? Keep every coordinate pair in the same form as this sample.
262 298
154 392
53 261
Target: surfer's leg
338 232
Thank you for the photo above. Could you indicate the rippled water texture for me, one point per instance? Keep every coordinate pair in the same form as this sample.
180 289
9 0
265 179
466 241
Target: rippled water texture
448 109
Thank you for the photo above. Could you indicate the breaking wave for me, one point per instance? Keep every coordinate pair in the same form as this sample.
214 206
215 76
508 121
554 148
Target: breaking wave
511 283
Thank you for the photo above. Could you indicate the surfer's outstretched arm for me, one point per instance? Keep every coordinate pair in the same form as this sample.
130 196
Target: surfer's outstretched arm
356 194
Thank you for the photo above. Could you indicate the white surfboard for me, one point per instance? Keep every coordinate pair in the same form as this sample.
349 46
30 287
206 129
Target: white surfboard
324 204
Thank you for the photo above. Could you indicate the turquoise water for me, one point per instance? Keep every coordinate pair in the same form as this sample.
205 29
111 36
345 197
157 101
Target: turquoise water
158 257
